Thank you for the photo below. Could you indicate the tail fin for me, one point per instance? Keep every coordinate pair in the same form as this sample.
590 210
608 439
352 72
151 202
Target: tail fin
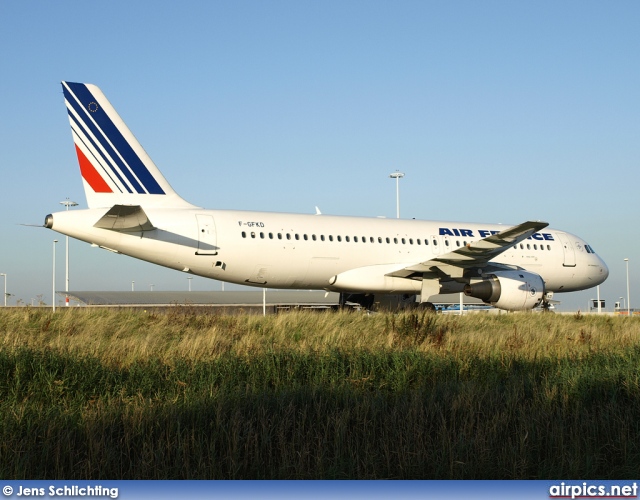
115 168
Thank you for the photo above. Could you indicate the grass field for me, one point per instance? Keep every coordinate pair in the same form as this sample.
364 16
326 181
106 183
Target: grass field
99 394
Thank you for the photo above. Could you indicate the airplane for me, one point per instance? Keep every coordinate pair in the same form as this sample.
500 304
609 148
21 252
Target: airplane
133 210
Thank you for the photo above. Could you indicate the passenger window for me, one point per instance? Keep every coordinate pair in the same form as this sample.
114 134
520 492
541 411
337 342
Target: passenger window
339 238
270 236
395 240
313 237
403 241
288 236
253 235
297 237
279 236
446 242
244 235
330 238
322 237
262 236
379 239
305 237
435 242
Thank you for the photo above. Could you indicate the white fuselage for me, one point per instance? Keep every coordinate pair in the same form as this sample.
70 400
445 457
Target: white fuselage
278 250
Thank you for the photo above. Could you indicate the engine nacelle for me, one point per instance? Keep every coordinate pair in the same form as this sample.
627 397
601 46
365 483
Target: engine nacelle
510 290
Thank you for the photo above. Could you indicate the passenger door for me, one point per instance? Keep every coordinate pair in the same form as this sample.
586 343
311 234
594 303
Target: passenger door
206 235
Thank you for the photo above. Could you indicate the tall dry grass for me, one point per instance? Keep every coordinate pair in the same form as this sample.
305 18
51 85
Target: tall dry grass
93 393
121 337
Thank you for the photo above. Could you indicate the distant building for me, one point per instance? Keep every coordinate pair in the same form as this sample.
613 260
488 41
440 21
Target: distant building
251 301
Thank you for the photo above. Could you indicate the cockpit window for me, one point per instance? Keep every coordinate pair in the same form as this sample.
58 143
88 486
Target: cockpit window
589 249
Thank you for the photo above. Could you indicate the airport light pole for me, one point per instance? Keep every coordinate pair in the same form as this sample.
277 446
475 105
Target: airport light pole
628 300
67 204
190 278
53 301
397 176
5 288
133 286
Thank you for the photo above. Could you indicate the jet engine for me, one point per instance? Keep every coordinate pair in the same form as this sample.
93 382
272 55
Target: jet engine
510 290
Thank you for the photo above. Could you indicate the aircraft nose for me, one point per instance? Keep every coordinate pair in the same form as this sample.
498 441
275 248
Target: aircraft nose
604 270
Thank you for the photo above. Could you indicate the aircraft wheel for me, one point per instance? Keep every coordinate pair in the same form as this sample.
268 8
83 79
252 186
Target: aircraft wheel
427 306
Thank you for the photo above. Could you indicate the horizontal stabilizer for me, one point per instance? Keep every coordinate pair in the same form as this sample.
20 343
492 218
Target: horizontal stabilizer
125 218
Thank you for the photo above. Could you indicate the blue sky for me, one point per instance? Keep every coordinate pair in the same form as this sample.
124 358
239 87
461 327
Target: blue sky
497 111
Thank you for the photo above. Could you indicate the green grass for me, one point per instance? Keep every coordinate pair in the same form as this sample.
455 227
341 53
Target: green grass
98 394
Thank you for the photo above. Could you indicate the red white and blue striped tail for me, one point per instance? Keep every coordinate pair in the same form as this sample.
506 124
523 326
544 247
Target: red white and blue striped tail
115 169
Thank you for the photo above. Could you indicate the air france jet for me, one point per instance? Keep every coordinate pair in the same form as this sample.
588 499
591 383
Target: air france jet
133 210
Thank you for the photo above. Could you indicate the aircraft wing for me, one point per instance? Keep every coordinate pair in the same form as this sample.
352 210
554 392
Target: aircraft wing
125 218
474 254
